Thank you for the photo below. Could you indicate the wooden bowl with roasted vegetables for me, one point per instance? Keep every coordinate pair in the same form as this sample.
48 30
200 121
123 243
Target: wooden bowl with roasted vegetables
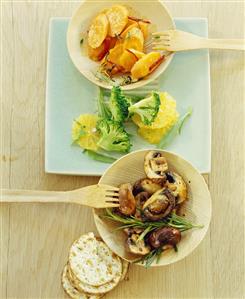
110 43
164 212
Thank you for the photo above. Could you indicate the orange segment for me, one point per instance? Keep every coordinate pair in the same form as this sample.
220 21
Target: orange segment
98 31
142 66
84 131
118 18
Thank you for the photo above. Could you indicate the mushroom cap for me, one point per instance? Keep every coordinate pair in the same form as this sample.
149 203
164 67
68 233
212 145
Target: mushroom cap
136 246
164 236
159 205
176 184
127 203
155 165
148 185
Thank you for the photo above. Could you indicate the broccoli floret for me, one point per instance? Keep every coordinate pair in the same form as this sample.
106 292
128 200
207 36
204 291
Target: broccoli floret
113 137
147 108
118 105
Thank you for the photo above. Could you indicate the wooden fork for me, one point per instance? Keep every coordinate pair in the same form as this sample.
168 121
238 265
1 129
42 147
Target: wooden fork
176 40
95 196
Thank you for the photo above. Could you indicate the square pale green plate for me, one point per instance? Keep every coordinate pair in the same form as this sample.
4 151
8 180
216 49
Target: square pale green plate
69 94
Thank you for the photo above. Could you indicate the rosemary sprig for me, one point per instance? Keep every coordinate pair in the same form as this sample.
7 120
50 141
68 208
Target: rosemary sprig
149 258
172 221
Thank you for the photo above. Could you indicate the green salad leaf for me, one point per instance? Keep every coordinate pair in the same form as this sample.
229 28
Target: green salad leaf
99 157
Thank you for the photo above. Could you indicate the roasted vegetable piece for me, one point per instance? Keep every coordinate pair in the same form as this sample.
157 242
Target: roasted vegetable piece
140 198
164 236
98 53
148 185
127 203
118 104
145 65
155 165
127 60
113 137
136 246
115 54
159 205
134 39
147 108
118 19
98 31
177 185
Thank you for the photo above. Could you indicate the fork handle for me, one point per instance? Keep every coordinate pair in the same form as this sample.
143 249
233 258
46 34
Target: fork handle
32 196
229 44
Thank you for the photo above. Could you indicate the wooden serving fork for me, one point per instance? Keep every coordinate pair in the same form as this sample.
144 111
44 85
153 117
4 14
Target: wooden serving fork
177 40
95 196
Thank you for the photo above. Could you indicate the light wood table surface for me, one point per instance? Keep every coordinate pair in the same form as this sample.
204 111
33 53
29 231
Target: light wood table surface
36 237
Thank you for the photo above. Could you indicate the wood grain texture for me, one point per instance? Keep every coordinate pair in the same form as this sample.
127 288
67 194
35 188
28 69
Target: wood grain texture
35 238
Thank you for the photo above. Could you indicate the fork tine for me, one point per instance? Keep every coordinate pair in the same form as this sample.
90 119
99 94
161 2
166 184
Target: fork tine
115 198
164 42
161 48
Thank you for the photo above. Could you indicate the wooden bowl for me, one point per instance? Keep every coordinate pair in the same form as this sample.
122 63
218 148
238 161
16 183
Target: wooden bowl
80 22
197 208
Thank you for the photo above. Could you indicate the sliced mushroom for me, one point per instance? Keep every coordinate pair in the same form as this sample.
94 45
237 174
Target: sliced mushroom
159 205
140 198
133 230
164 236
127 203
176 184
148 185
155 165
137 246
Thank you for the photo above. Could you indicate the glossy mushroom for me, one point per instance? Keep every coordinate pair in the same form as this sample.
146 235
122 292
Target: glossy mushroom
148 185
155 165
164 236
176 184
136 246
127 203
159 205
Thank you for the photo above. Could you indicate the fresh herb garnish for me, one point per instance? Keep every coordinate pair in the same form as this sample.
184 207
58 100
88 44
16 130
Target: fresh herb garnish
81 41
149 258
175 130
99 157
171 221
157 36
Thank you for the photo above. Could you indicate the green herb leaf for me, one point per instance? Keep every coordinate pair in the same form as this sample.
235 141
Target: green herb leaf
81 41
99 157
175 130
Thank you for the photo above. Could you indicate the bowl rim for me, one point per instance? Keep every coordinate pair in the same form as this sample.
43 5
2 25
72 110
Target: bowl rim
138 84
209 203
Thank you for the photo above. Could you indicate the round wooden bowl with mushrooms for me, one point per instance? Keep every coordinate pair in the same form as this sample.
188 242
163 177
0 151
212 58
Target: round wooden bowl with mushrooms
180 177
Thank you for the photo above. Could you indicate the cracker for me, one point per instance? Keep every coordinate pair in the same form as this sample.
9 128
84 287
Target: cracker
92 262
125 267
72 291
102 289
